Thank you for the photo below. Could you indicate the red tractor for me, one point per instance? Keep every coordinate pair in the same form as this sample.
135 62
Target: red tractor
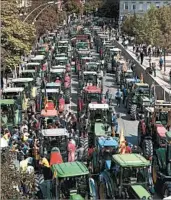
152 129
90 94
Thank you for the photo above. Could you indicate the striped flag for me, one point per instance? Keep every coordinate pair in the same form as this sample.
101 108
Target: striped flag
122 141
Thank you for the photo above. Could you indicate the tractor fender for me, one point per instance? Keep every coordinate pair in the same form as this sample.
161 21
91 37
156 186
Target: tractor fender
93 189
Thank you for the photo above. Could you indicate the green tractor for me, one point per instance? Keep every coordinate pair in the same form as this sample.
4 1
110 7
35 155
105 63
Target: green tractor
11 114
127 178
125 75
161 168
30 73
71 181
138 99
19 95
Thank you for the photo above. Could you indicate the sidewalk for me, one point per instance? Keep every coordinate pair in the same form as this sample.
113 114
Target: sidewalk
161 77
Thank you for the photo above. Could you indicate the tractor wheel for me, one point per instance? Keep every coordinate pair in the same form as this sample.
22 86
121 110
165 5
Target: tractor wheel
166 190
147 147
133 111
67 96
103 191
139 134
129 104
155 169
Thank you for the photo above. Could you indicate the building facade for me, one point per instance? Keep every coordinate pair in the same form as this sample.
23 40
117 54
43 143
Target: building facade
127 7
24 3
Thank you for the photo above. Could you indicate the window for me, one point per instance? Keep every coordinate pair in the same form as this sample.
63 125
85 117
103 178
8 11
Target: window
126 6
157 5
148 5
141 6
133 6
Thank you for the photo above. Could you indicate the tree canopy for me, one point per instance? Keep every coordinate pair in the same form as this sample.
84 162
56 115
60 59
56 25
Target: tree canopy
73 6
17 37
152 28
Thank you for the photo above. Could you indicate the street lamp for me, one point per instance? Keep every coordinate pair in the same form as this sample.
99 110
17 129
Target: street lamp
48 3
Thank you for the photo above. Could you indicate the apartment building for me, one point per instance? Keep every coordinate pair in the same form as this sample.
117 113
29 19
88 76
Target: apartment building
139 6
23 3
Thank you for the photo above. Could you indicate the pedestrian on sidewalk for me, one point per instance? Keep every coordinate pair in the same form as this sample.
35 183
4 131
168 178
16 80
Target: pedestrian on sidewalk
161 63
142 56
118 97
154 68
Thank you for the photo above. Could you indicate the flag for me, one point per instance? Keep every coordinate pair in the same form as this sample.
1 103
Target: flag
46 103
141 78
122 144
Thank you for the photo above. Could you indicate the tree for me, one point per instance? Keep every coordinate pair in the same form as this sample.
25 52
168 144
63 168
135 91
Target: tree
11 178
17 37
91 6
73 6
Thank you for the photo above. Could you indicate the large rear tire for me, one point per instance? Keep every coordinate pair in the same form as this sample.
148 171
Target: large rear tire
133 111
166 190
147 147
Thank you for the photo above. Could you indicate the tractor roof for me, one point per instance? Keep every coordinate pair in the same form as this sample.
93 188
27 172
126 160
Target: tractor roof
89 72
59 67
131 160
115 49
92 106
13 89
7 101
86 58
92 89
38 57
49 113
29 71
56 90
92 63
83 52
18 80
32 63
53 84
62 46
129 71
61 58
69 169
142 84
63 41
107 142
55 132
57 70
61 55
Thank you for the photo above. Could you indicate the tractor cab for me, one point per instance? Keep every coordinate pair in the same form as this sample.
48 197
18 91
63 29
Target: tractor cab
61 62
92 66
129 174
158 120
124 75
89 78
63 43
92 94
95 56
57 75
63 49
85 60
32 66
72 181
41 59
18 94
55 137
30 73
82 46
11 114
43 50
28 84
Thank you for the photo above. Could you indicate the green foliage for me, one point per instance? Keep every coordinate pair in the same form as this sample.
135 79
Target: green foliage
91 6
153 28
17 37
73 6
11 178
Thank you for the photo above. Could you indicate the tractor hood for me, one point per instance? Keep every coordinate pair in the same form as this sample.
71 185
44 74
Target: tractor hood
132 80
140 192
76 197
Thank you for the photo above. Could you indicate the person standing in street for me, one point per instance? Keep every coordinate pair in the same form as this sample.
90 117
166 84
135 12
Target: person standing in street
142 56
161 63
118 97
154 68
